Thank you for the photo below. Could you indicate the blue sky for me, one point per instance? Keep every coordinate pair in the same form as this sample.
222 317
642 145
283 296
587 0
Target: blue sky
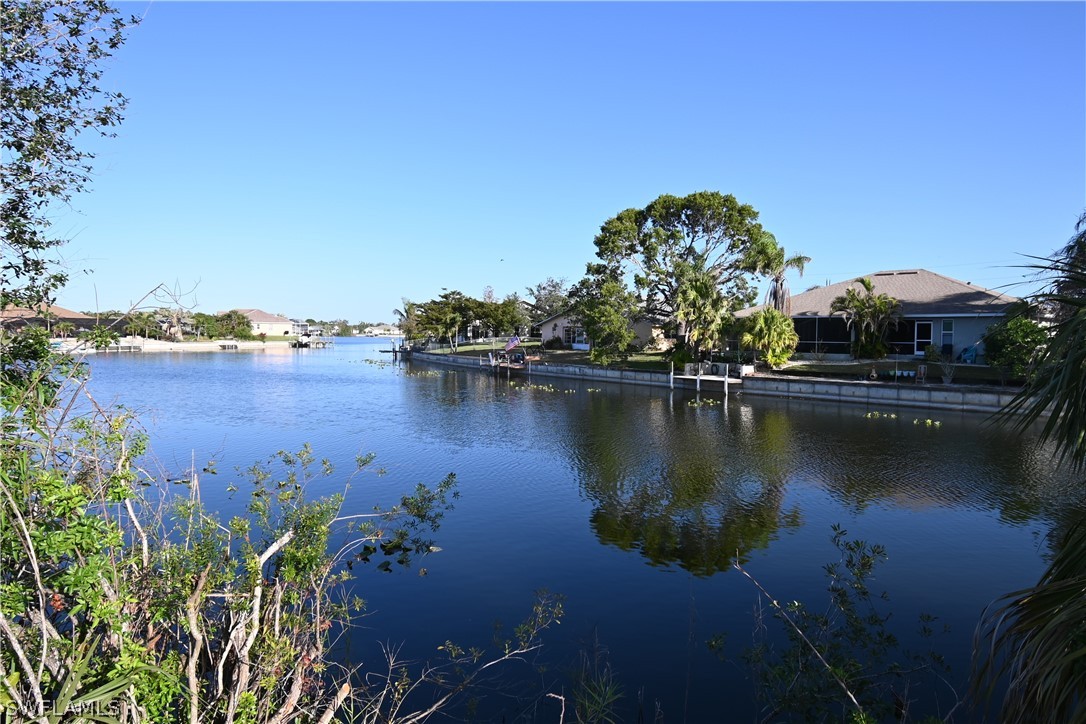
326 159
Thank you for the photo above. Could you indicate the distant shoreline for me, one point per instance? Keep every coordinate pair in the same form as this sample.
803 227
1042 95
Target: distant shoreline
139 344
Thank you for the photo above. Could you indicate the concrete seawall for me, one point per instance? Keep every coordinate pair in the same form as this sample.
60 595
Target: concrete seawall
931 396
709 383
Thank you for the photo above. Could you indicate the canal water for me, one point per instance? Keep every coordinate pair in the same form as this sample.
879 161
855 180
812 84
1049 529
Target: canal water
630 502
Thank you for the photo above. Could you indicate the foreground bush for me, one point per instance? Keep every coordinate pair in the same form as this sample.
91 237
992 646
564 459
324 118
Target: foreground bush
126 602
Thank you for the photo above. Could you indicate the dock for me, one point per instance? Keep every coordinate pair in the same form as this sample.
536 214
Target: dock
307 342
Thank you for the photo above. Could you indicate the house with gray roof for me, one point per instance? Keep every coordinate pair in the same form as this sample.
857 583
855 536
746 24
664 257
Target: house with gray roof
952 315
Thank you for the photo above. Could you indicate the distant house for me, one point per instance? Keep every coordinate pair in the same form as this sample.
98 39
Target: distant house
14 317
567 328
384 330
272 325
298 327
936 310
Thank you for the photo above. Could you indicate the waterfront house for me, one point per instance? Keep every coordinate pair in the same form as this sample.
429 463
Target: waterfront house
272 325
936 310
566 327
16 317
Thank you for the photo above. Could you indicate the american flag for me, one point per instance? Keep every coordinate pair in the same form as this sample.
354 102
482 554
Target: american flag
513 342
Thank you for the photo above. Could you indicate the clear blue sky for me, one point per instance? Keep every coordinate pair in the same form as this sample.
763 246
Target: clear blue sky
326 159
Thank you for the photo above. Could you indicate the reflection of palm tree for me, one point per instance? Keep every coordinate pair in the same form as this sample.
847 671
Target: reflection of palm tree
767 258
1039 634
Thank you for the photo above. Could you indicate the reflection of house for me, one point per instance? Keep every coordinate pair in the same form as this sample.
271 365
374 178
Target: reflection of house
567 328
272 325
14 317
936 310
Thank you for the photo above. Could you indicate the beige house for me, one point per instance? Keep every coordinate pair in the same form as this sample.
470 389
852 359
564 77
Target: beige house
272 325
565 327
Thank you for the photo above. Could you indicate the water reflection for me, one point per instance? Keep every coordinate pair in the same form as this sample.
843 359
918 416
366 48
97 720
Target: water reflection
701 487
613 494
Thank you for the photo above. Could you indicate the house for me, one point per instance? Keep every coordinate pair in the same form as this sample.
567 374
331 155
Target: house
383 330
936 310
567 328
272 325
15 317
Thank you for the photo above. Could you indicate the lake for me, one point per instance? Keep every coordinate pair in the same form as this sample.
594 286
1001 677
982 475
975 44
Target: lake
630 502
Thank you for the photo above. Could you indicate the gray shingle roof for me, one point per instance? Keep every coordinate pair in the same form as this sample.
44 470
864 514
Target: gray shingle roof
922 294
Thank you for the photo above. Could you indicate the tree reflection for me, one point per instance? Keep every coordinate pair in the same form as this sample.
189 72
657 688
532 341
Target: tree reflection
689 487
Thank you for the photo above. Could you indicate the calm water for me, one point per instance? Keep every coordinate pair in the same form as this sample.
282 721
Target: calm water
628 501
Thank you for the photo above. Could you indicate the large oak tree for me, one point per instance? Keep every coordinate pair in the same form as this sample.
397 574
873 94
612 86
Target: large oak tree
707 229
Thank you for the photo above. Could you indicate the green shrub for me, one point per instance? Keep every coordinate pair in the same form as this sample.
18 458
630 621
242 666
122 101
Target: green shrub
1012 345
554 343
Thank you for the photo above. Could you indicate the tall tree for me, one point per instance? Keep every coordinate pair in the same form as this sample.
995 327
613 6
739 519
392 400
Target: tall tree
51 63
407 318
1038 635
141 324
235 324
64 329
548 298
870 315
445 316
504 317
207 325
605 308
768 258
653 241
700 306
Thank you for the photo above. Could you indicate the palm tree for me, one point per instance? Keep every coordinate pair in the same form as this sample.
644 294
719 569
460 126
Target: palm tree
63 329
871 315
140 324
1038 635
768 258
700 305
407 318
451 324
773 333
50 319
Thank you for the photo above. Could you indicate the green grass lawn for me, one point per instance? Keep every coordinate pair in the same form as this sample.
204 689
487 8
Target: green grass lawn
639 361
963 374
